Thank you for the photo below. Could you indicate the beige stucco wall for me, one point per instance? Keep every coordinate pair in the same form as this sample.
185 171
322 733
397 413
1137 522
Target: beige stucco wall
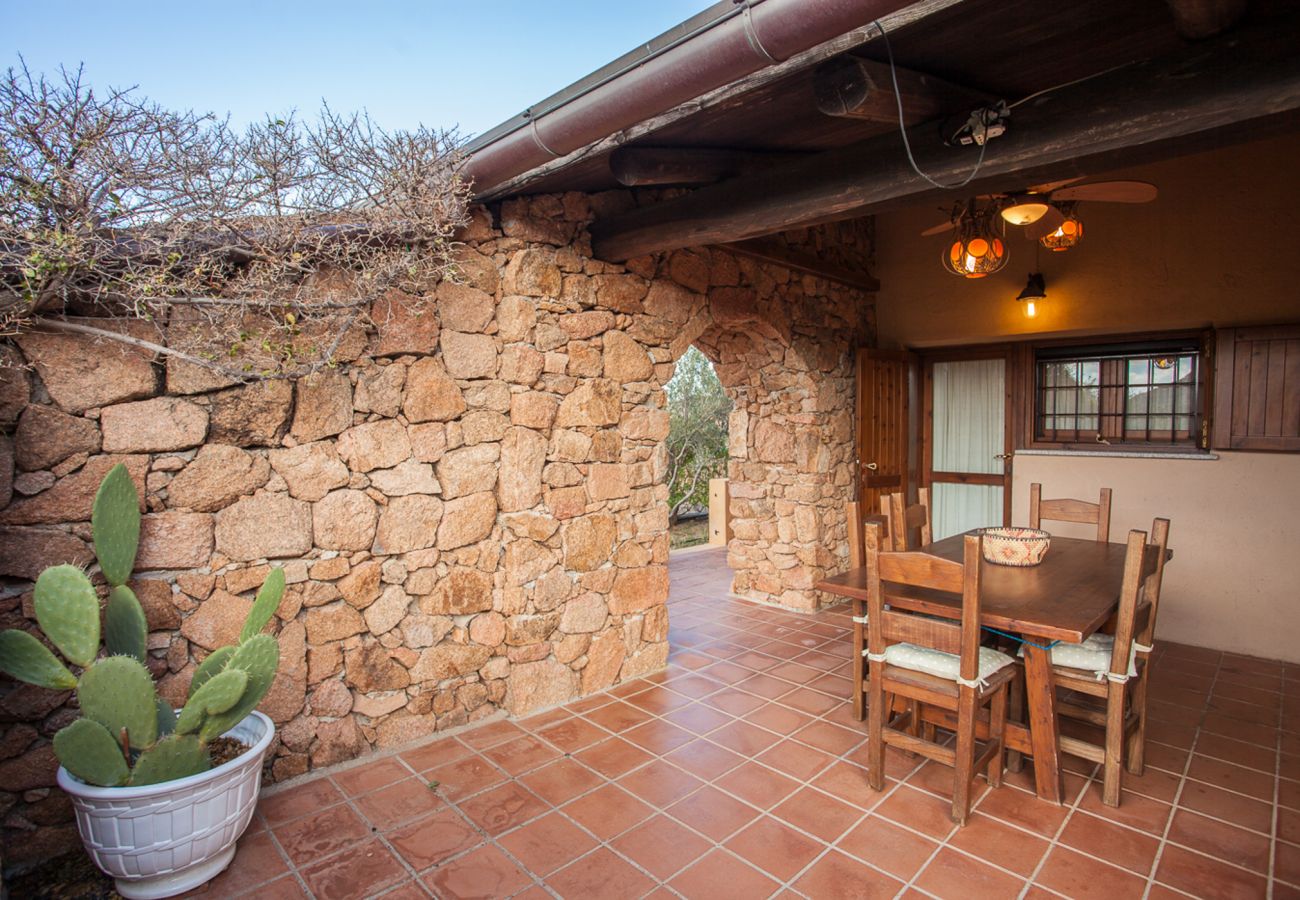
1234 581
1215 249
1218 247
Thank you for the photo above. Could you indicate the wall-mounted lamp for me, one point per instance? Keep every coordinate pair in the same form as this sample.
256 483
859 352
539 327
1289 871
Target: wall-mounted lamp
1035 292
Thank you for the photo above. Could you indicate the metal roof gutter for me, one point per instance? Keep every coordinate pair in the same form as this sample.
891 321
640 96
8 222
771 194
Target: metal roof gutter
725 42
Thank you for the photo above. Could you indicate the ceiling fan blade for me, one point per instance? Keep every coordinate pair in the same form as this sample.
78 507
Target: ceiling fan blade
1050 221
1112 191
938 229
1050 186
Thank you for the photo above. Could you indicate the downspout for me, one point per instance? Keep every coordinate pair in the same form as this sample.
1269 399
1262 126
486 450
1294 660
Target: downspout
726 42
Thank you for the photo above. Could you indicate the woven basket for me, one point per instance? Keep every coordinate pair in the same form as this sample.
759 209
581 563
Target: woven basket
1015 546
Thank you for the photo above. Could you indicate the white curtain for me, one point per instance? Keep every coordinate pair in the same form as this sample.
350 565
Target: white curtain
969 427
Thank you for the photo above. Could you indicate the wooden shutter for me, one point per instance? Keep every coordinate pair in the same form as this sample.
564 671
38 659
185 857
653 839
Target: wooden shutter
1257 389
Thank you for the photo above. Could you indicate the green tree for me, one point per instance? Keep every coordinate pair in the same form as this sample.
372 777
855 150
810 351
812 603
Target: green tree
697 432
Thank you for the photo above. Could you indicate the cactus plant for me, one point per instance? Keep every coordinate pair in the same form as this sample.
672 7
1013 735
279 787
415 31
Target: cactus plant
127 734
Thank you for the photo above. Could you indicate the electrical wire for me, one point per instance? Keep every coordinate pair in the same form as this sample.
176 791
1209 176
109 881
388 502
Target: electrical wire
1067 84
902 126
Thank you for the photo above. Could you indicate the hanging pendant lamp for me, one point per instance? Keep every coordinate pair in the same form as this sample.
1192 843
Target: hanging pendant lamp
977 249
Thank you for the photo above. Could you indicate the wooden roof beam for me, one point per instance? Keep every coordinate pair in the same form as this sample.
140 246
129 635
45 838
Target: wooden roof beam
642 166
1146 111
855 88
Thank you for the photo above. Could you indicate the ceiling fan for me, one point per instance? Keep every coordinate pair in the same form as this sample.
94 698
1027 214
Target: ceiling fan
1046 208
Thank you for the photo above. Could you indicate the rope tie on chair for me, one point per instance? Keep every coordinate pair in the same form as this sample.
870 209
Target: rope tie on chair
1143 648
861 620
977 683
873 657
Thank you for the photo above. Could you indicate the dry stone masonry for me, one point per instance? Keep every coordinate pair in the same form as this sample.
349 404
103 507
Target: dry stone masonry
470 509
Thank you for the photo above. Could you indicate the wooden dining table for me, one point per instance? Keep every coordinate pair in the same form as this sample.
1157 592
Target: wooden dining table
1065 598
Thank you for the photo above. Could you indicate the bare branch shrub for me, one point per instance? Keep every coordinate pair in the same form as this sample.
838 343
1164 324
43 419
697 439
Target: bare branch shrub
258 251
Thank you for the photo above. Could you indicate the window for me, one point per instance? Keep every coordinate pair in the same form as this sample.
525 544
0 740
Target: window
1149 394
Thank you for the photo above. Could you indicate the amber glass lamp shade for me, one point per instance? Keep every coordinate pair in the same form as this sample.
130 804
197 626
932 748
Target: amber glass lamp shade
1068 235
975 252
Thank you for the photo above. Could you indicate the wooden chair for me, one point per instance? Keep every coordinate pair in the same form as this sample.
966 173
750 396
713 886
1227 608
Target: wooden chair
858 522
973 677
1066 510
904 519
1113 669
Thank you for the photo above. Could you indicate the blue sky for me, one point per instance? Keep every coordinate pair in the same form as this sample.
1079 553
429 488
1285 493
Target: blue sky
470 63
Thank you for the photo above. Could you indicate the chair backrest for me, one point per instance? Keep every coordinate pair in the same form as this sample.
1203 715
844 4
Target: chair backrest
921 570
1129 596
1150 596
1066 510
904 520
857 523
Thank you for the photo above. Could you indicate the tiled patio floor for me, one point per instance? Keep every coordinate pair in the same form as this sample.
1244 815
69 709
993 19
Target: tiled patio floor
738 773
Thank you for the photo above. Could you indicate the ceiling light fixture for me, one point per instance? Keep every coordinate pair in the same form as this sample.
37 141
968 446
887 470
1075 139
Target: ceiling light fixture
977 249
1026 212
1035 292
1068 234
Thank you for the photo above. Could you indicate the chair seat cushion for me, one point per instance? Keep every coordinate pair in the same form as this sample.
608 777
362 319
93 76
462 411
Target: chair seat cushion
944 665
1091 655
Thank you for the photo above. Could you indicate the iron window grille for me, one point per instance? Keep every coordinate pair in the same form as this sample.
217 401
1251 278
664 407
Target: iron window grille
1147 394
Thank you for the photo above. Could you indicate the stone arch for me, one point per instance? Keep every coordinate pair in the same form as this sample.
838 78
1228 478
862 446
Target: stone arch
782 348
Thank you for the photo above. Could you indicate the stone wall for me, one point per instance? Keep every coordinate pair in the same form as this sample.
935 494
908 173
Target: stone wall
470 510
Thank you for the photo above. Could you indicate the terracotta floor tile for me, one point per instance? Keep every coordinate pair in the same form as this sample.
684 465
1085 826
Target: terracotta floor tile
1113 843
661 846
830 738
757 785
399 803
428 841
698 718
521 754
308 839
719 874
759 662
1235 808
1288 793
573 734
561 781
286 887
814 812
546 844
613 757
694 685
734 702
849 783
744 738
359 871
256 861
490 734
1250 732
617 716
411 890
463 777
435 754
713 813
1078 876
1234 778
600 874
766 686
888 847
919 811
812 702
607 811
660 783
775 847
364 779
299 800
658 737
502 808
1221 840
485 873
727 673
659 700
938 779
1288 825
1167 758
1134 810
797 760
953 874
540 721
704 759
839 877
1203 876
1000 844
1286 863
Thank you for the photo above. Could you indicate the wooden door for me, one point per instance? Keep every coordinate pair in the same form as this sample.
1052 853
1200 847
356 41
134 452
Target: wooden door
886 387
967 444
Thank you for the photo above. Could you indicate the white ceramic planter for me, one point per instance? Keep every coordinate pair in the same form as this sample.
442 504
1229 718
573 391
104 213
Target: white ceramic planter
164 839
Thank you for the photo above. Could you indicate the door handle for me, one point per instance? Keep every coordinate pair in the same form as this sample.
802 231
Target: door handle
871 466
1003 455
